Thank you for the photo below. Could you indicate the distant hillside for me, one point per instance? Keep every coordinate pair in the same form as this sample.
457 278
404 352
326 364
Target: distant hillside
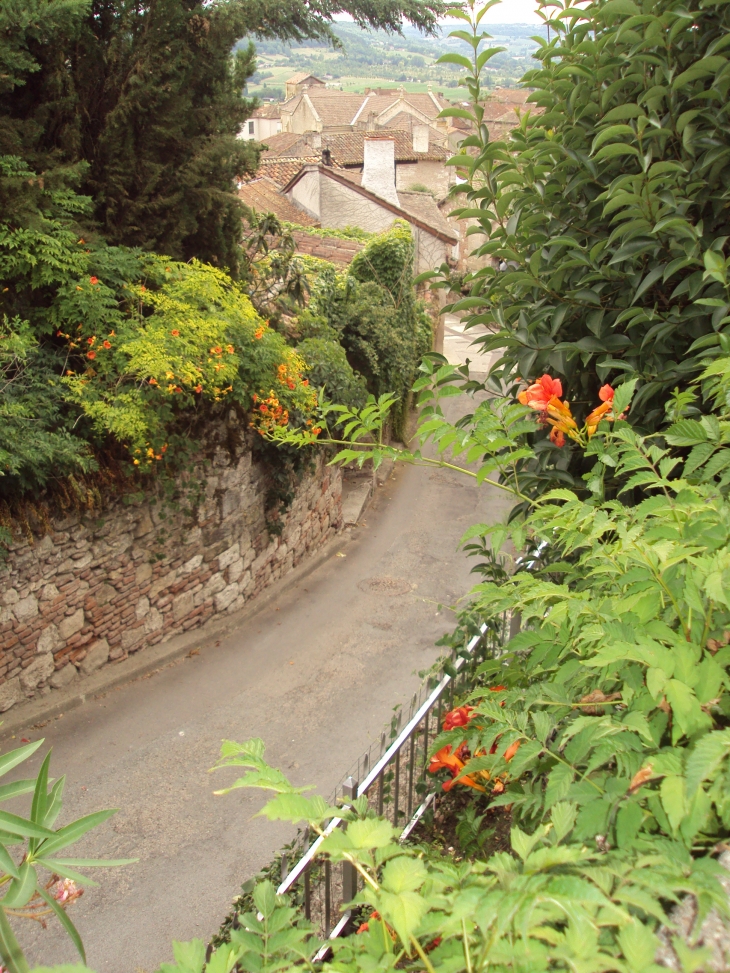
372 57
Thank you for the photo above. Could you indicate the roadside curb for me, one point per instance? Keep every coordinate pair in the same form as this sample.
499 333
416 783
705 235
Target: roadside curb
361 492
158 656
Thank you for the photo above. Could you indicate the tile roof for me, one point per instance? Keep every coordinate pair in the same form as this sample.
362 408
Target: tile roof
281 171
278 145
302 76
334 107
347 147
425 207
422 211
263 195
344 107
515 96
423 102
291 103
269 110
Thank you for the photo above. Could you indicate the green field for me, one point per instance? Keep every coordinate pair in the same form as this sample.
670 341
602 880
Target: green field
375 59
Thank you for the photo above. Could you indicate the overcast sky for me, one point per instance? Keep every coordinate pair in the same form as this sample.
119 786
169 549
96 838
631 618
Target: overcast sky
506 12
513 12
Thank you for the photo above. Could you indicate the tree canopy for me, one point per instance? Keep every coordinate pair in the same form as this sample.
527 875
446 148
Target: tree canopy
142 104
609 208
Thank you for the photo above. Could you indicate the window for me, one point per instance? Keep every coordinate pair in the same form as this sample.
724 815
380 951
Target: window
250 128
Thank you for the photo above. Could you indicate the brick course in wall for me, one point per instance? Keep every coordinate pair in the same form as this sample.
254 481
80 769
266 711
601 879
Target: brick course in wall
101 586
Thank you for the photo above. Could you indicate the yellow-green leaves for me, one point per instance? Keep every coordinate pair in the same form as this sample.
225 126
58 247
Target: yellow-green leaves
186 339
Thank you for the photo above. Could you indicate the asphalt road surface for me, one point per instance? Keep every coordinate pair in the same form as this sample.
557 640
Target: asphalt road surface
315 674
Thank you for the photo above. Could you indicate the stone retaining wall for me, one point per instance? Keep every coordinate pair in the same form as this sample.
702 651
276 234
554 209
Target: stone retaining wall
101 586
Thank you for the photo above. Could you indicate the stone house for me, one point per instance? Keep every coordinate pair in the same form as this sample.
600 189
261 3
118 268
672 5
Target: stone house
263 123
370 200
263 195
419 156
316 109
299 81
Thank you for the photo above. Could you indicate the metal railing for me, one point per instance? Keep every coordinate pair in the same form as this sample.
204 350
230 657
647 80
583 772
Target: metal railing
393 777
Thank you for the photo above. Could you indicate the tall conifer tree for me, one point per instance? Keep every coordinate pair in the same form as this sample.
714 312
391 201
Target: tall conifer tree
145 98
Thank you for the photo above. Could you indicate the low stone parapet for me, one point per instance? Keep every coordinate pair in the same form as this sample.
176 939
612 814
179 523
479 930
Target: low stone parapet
102 585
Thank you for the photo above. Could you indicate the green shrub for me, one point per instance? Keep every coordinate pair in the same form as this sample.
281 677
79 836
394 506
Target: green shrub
311 325
327 367
107 347
608 206
604 725
387 261
373 309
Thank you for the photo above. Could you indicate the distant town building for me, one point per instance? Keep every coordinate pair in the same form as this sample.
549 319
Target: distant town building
337 159
263 123
419 155
311 193
370 200
299 81
316 109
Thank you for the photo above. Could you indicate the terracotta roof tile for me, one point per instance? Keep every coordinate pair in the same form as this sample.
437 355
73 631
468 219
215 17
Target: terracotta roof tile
269 110
280 171
302 76
335 107
263 196
421 101
347 148
279 145
425 207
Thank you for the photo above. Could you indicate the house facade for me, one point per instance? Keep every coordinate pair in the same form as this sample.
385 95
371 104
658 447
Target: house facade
316 109
264 122
420 154
299 81
370 200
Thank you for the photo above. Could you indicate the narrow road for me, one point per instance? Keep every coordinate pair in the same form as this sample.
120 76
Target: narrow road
316 675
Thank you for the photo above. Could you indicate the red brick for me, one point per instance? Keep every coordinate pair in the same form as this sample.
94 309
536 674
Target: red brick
69 587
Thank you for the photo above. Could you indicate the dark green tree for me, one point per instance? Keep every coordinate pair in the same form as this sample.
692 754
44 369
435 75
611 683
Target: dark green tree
148 98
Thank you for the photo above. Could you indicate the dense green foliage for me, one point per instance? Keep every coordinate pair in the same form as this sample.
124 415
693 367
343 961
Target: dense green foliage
105 347
608 734
373 311
609 207
604 725
145 102
369 310
329 369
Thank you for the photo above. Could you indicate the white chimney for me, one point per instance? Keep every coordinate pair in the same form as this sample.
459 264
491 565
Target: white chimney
317 141
378 172
420 138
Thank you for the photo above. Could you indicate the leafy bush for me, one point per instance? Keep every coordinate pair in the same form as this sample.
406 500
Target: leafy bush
607 728
607 734
105 345
330 232
327 367
387 261
373 309
609 207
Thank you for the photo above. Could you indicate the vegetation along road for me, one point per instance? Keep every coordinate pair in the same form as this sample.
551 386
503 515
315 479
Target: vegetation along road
316 674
